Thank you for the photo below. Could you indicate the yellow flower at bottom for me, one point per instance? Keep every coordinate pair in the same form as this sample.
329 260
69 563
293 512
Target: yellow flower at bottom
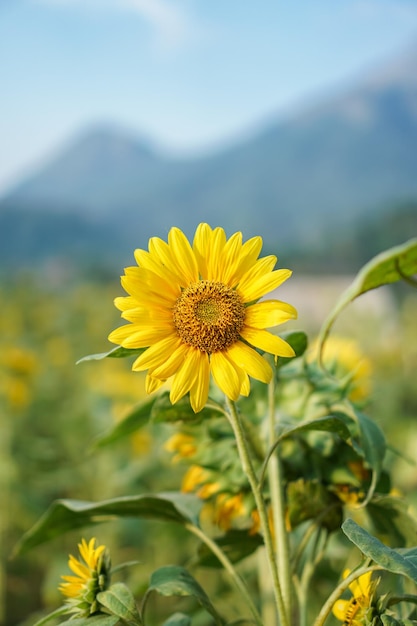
92 575
353 612
195 308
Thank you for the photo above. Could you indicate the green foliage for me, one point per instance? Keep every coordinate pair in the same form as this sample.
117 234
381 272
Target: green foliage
177 581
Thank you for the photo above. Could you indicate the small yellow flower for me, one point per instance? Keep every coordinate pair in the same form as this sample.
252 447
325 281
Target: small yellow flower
184 446
195 308
92 575
227 507
352 612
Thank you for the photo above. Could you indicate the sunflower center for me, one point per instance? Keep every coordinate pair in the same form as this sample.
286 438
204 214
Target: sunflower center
209 316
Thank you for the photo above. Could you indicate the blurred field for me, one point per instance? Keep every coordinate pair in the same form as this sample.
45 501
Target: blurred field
53 409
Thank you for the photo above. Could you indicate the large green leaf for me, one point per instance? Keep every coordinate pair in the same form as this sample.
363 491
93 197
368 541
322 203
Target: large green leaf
173 580
396 561
67 515
137 418
373 444
388 267
391 517
119 600
115 353
236 545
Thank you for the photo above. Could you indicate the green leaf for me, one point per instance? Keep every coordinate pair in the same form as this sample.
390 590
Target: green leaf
390 517
164 411
178 619
388 267
173 580
94 620
137 418
61 611
67 515
119 600
389 620
115 353
298 342
392 560
236 545
373 444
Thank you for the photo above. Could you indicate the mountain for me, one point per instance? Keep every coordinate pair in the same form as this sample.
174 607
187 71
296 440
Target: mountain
297 181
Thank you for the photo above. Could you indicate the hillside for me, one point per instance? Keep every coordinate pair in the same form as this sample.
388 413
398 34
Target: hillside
321 170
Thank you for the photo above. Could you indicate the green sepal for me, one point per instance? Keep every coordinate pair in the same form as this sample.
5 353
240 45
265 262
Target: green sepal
115 353
235 544
399 562
94 620
173 580
395 264
68 515
119 600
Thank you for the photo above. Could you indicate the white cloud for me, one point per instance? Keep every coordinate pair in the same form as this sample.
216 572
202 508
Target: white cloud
171 26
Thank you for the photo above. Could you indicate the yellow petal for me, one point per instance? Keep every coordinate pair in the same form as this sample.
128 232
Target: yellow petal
185 377
258 286
201 245
161 251
152 384
267 342
171 363
156 354
250 361
247 257
217 243
339 609
183 255
226 375
148 261
269 313
200 389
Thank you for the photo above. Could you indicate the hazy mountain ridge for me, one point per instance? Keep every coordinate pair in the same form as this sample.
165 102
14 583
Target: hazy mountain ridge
318 171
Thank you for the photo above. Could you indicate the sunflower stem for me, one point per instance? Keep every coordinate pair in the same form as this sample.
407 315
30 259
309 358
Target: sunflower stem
282 548
228 566
249 471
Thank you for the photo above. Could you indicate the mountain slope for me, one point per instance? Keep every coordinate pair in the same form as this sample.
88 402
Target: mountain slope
318 170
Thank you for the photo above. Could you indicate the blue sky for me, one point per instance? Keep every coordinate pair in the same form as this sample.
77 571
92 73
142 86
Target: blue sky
190 75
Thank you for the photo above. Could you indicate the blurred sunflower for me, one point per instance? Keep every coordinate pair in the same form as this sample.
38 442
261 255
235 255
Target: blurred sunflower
92 575
353 612
196 310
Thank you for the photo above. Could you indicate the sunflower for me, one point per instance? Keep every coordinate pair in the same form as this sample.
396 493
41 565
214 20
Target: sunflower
92 575
195 308
353 612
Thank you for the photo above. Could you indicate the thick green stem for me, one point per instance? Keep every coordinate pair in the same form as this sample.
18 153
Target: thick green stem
228 566
282 548
249 471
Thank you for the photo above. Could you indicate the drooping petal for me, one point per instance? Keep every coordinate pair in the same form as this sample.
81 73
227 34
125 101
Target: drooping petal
185 377
152 384
226 375
250 361
157 353
267 342
269 314
200 389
